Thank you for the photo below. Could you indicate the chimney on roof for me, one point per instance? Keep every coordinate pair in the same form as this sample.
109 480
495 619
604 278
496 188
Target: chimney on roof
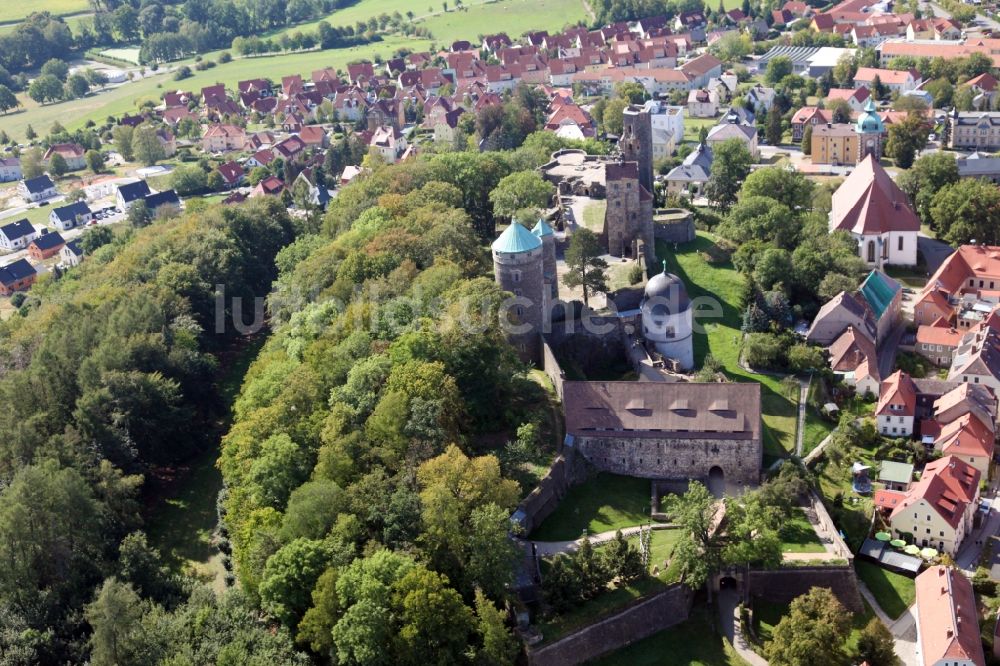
951 632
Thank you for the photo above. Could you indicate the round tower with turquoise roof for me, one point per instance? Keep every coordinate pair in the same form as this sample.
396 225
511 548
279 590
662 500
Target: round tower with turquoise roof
548 236
870 129
518 260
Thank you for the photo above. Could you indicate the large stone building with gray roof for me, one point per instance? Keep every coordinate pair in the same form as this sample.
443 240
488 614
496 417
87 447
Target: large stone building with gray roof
664 430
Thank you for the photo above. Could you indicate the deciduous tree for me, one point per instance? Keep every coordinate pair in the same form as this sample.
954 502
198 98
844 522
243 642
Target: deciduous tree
585 267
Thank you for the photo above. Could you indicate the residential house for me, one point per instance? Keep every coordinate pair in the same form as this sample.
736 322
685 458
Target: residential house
726 131
971 272
71 254
314 136
129 193
667 123
166 199
702 69
854 359
167 142
387 142
702 103
17 235
897 406
270 186
72 153
895 475
808 116
937 342
45 246
232 174
895 80
68 217
691 175
761 97
10 169
18 276
318 196
855 97
977 358
37 189
947 619
969 439
223 138
936 511
871 207
984 88
976 130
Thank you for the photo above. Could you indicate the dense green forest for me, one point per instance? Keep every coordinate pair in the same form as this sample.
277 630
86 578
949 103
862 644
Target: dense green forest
370 467
107 374
380 440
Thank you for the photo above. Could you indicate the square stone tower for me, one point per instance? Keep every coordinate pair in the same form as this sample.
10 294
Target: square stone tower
636 142
628 222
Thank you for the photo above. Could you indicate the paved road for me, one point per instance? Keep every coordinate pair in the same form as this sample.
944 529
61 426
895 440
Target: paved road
800 431
903 629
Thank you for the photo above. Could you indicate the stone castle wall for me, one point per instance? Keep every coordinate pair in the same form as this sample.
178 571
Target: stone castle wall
566 471
782 585
673 457
673 230
643 619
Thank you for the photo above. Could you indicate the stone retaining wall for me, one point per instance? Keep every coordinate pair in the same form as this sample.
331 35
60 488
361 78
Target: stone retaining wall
566 471
783 585
636 622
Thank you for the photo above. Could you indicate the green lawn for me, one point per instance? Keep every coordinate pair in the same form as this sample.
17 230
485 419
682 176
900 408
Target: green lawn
15 11
816 430
908 277
692 126
180 525
719 281
605 502
894 593
798 536
766 616
593 215
691 643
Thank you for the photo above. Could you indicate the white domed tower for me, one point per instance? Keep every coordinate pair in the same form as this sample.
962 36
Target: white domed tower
667 318
517 267
548 236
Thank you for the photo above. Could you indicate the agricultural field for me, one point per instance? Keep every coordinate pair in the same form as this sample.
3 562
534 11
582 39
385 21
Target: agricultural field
12 12
515 17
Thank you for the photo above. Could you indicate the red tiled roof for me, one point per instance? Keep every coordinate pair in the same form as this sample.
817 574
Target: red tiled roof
947 621
869 202
897 395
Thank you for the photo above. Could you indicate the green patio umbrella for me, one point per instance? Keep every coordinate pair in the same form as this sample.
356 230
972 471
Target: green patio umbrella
897 543
928 553
883 536
912 549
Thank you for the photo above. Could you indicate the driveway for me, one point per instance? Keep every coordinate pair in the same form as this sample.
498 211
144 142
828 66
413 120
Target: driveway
934 252
728 601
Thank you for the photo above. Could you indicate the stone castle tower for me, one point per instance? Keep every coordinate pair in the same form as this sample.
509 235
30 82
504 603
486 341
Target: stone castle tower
518 268
636 142
548 236
628 221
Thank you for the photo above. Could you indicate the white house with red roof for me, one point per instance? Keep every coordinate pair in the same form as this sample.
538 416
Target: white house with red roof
855 97
895 80
72 153
947 620
872 208
897 405
937 510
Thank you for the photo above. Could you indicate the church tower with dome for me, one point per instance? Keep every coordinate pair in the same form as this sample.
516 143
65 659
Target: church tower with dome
870 129
667 318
